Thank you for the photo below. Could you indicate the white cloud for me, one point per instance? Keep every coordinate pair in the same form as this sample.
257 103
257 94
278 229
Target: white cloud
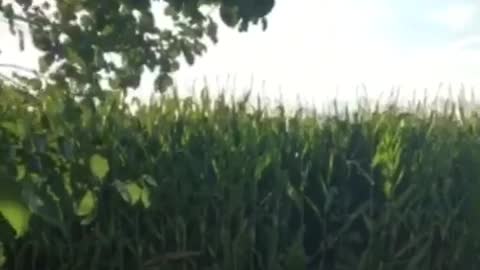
470 42
324 49
456 17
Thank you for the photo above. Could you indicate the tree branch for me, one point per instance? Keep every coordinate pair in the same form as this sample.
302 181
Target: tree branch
13 66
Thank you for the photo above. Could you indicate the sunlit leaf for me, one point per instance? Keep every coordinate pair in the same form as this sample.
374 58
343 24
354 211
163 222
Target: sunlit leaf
149 180
135 192
131 192
99 166
87 204
145 197
21 172
13 209
17 127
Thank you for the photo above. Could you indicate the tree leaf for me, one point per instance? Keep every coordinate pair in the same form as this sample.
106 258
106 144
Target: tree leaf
199 48
212 31
9 13
45 61
163 82
17 128
264 24
21 172
187 50
13 209
43 207
87 204
135 192
131 192
145 197
99 166
170 11
229 15
244 24
149 180
74 58
24 3
16 214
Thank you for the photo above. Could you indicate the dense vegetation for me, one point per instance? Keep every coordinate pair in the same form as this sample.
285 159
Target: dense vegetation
202 183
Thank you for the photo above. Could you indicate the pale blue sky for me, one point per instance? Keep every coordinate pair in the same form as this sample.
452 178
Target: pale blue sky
320 49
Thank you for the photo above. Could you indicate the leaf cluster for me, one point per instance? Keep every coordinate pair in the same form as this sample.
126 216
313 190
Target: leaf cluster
86 41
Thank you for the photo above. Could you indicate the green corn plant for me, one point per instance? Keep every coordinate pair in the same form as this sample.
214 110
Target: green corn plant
207 182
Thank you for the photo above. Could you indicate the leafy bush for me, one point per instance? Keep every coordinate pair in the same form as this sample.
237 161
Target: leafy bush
201 183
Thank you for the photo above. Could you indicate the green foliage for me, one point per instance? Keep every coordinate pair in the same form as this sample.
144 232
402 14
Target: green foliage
3 259
13 209
200 183
82 36
99 166
87 204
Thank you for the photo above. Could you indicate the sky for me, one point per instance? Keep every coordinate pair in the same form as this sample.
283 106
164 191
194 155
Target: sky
318 50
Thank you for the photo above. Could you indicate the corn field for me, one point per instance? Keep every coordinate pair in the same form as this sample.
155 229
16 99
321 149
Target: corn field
211 183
